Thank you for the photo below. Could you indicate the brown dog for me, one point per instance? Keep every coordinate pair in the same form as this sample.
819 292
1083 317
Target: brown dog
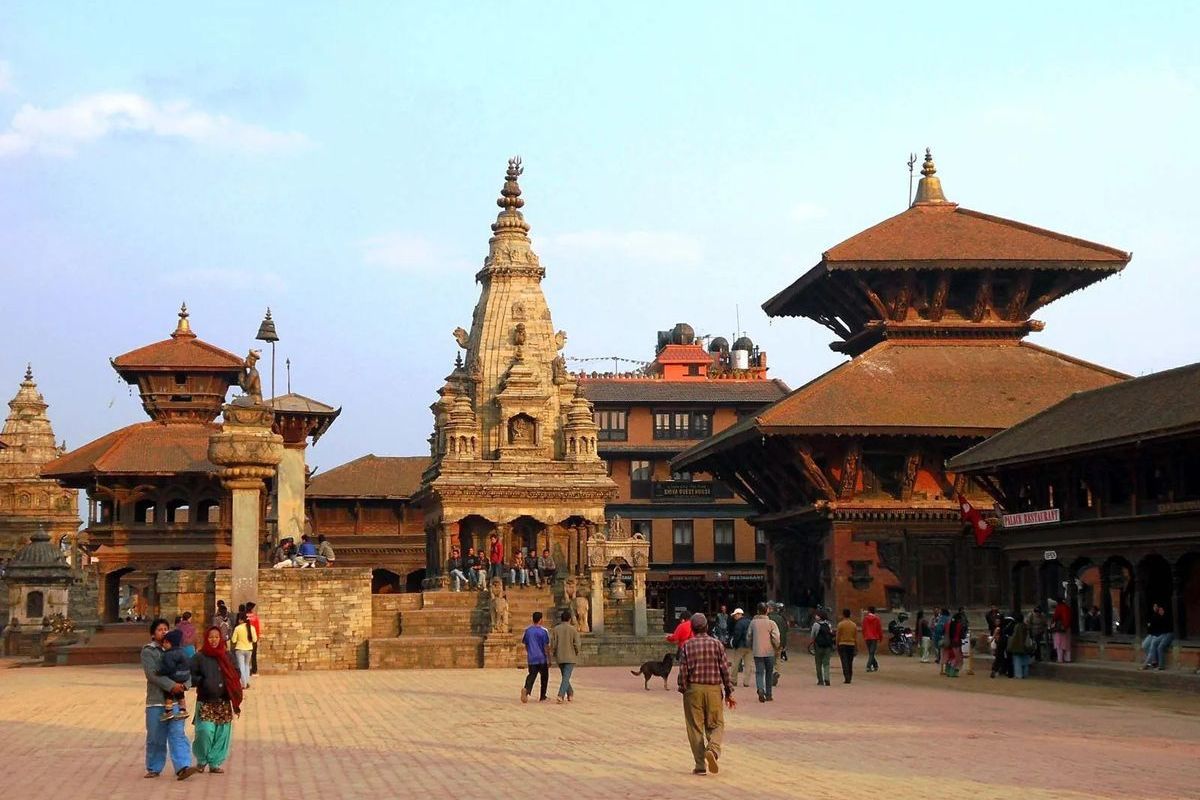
652 669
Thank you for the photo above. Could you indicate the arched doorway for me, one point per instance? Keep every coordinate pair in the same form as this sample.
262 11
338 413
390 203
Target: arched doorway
1118 596
384 581
118 589
414 580
1154 586
529 535
1052 584
474 531
1090 588
1188 623
1024 587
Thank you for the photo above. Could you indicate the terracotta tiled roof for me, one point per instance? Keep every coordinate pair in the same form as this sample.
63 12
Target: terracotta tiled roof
717 392
1161 404
683 354
371 476
147 448
950 233
960 389
178 352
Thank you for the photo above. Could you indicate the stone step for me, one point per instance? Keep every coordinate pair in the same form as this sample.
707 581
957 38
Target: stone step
426 652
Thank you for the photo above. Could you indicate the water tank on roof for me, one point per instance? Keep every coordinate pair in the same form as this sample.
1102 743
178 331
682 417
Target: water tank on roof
719 345
741 352
743 343
683 333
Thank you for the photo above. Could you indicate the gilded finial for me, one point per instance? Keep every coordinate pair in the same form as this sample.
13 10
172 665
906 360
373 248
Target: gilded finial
928 168
510 195
929 188
184 328
28 372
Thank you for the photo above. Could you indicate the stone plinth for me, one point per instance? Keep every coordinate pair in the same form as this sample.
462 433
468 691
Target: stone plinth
311 618
247 452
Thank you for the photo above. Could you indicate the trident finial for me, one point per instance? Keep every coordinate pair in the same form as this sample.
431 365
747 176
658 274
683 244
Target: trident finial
510 195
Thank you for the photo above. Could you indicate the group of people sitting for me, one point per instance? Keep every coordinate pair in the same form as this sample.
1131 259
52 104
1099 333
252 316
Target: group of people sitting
308 554
476 569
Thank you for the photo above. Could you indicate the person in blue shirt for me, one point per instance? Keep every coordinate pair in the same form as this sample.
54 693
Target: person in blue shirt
308 550
537 644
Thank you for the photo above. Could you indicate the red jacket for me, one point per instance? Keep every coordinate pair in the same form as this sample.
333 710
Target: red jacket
683 632
1062 617
872 628
497 552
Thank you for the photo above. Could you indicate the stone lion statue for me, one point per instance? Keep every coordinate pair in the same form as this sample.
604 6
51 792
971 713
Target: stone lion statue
498 607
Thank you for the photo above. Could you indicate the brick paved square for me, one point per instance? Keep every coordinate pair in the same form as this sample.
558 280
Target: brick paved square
902 732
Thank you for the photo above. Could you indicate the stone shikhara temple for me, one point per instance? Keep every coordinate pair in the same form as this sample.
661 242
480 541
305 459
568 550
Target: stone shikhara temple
847 472
514 441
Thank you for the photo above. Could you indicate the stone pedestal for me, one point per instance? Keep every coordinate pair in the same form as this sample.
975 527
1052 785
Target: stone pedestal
500 650
247 452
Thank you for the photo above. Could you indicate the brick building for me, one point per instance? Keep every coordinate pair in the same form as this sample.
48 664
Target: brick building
703 551
846 473
1100 502
365 509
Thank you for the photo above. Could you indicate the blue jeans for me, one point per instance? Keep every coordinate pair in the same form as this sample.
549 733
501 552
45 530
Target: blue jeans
163 737
479 578
1156 654
495 571
564 684
516 576
457 579
1020 665
242 657
764 671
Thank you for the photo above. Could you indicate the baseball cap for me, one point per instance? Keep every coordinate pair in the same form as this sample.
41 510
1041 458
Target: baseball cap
737 611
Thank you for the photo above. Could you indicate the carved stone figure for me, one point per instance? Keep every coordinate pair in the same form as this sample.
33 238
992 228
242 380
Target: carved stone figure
498 607
519 334
558 370
475 369
520 430
560 339
579 614
249 381
461 336
518 311
570 589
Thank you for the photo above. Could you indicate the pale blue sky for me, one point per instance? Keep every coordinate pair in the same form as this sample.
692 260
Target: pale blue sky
340 164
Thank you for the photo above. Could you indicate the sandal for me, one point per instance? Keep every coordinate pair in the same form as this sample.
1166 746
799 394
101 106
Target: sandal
150 774
215 771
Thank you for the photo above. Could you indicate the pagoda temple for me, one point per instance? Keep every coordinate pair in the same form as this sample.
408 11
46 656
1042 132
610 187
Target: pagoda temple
933 307
154 499
514 442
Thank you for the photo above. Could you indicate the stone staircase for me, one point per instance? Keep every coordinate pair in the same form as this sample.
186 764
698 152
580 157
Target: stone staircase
450 630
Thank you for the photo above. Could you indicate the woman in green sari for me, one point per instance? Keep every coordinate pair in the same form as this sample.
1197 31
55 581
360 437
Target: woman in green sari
218 701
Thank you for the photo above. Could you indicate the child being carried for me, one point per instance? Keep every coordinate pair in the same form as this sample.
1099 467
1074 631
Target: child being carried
177 667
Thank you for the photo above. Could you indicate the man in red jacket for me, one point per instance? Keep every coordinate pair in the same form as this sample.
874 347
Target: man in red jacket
683 631
496 558
1060 631
872 633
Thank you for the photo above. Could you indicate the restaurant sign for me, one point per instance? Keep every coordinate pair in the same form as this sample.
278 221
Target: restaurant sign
1031 518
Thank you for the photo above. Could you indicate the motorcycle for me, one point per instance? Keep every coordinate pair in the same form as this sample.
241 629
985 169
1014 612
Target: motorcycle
901 640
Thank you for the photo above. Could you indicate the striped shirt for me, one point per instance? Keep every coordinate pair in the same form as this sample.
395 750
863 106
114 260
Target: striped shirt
702 661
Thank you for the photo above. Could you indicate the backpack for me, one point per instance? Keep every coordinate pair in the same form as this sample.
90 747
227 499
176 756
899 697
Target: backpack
939 628
824 637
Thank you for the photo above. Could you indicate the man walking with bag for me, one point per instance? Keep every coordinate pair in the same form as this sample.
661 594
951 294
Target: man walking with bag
764 643
822 640
740 658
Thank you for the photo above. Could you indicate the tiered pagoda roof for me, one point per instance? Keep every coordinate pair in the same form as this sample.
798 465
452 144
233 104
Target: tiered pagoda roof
371 477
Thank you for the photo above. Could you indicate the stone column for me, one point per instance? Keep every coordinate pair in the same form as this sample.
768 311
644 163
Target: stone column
597 600
289 485
640 625
247 452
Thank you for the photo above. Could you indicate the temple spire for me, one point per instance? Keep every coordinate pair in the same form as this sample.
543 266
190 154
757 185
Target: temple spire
510 219
929 188
184 329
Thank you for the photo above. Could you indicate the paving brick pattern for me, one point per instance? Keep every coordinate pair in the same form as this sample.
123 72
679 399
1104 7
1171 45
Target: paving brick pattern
900 733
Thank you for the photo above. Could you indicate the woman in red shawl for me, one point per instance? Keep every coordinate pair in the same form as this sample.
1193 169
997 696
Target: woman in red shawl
218 701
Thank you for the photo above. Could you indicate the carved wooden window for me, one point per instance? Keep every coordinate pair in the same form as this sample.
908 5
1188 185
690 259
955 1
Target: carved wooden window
682 424
683 541
612 424
640 473
1189 474
883 473
645 527
760 544
682 477
723 540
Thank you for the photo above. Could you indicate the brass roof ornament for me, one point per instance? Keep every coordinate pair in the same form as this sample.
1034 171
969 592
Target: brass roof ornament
929 188
184 329
510 217
28 372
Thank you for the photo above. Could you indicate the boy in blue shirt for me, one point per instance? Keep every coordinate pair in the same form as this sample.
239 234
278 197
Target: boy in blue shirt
537 645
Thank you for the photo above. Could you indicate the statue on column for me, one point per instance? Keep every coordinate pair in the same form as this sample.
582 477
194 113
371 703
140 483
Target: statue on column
249 381
577 605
